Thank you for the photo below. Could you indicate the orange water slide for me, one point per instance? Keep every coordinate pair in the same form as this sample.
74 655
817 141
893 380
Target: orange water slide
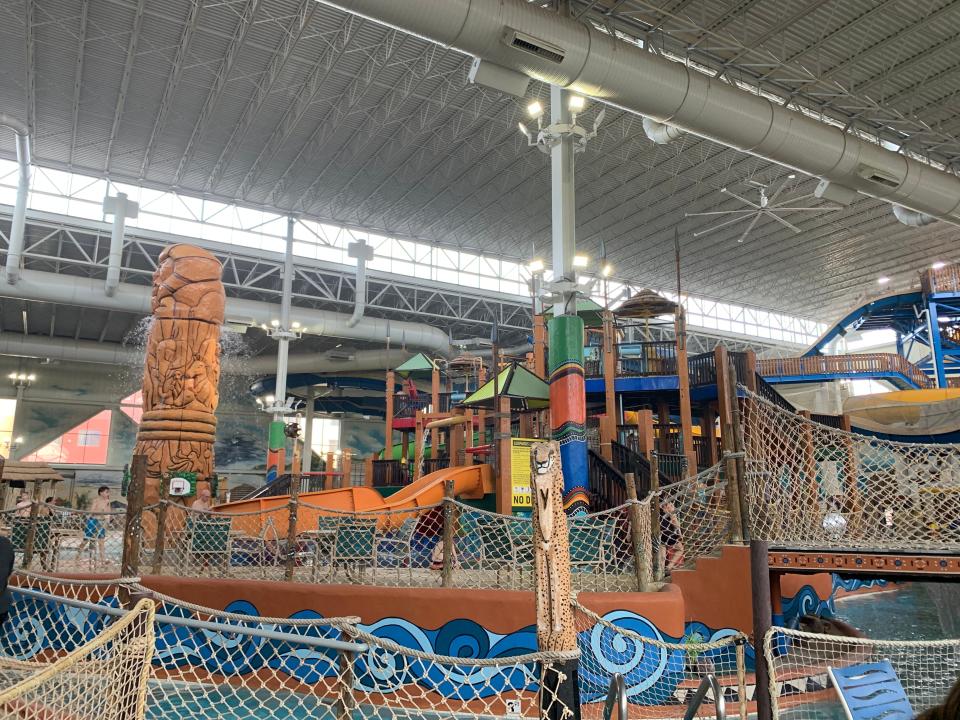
470 481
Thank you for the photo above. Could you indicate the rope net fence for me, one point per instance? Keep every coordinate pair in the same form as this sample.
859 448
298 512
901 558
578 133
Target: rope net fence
209 663
694 519
660 675
813 486
800 687
104 677
399 548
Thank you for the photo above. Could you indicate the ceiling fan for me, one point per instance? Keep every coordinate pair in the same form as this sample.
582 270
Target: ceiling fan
765 206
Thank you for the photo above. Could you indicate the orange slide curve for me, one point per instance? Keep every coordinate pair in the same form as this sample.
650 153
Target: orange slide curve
469 481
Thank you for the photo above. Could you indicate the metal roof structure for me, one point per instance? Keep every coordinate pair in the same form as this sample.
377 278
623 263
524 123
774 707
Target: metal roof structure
295 106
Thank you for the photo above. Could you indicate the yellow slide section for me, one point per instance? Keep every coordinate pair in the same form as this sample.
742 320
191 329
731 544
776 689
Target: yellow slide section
906 412
470 481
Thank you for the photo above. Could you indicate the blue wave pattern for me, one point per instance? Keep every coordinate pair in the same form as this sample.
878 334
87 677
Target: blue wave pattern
652 674
807 602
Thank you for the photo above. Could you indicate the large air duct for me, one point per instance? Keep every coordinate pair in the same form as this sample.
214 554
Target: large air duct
19 222
660 133
89 351
911 217
550 47
88 292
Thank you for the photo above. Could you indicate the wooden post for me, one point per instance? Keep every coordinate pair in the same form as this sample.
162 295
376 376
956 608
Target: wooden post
468 458
31 538
293 504
388 431
526 424
809 460
683 381
721 361
851 473
346 469
608 424
641 558
655 514
405 454
502 441
539 346
663 420
368 470
345 703
160 543
750 381
130 562
449 520
735 465
762 620
645 437
708 424
435 410
418 450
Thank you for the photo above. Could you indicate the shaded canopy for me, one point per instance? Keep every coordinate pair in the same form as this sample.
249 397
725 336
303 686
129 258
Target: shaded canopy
646 304
590 312
525 389
29 472
419 364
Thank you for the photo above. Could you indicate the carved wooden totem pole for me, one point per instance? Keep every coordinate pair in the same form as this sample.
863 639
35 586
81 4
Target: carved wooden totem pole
182 368
560 699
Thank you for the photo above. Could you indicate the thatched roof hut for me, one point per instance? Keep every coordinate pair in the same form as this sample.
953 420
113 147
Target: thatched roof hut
29 472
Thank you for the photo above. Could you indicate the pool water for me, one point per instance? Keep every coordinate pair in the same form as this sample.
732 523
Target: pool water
905 613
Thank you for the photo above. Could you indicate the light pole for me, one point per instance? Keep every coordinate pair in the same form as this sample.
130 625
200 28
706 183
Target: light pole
20 381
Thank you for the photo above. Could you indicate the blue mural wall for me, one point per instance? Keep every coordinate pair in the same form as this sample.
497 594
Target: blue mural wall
807 602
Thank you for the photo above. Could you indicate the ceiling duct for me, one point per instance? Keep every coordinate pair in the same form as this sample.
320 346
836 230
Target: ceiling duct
660 133
560 50
912 218
19 222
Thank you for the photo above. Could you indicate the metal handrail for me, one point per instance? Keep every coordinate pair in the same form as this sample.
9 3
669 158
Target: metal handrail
317 642
616 696
708 684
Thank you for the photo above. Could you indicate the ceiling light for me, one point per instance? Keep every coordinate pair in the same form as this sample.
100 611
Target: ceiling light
576 103
536 266
883 280
12 376
338 345
943 320
938 264
269 398
31 377
295 325
791 176
535 109
607 270
275 322
523 129
580 261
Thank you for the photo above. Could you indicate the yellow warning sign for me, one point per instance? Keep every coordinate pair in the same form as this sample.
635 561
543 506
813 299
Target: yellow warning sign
520 471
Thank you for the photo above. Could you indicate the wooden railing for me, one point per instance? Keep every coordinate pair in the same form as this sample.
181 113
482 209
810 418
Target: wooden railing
672 466
627 460
390 473
647 359
834 421
606 483
768 393
702 369
868 363
701 446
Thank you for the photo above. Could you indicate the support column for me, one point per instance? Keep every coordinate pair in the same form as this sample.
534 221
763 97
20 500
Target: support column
539 345
663 420
121 208
608 425
307 462
504 465
568 413
762 620
683 380
851 472
645 441
709 428
435 409
276 461
936 345
388 429
809 462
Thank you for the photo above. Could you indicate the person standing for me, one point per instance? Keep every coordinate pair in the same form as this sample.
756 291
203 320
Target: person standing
95 529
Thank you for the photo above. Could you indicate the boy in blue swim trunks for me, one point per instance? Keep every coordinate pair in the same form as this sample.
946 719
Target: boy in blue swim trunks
94 528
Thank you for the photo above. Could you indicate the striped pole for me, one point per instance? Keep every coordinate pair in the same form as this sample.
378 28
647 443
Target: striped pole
568 408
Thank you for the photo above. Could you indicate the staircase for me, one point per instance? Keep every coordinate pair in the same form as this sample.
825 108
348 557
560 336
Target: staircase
607 484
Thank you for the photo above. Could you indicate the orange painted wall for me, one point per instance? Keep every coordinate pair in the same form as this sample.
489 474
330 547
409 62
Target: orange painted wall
498 611
717 593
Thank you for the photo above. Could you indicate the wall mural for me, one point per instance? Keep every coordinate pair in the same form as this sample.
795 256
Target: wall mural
808 602
652 673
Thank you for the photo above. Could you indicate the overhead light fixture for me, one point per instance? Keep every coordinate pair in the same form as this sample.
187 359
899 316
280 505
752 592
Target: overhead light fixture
943 320
576 103
580 261
269 398
791 176
938 264
275 323
527 133
536 266
535 109
338 345
295 325
883 280
607 270
31 377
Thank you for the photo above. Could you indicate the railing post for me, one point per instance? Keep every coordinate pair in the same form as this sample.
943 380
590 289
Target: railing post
736 466
160 542
655 514
31 538
448 529
293 504
762 621
641 556
130 562
345 703
851 471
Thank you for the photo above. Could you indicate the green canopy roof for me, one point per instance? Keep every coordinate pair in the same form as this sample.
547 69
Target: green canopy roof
419 364
525 390
590 312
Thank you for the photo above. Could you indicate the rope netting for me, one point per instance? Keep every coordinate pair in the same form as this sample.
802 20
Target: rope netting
660 676
55 538
104 678
813 486
694 519
800 687
209 663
